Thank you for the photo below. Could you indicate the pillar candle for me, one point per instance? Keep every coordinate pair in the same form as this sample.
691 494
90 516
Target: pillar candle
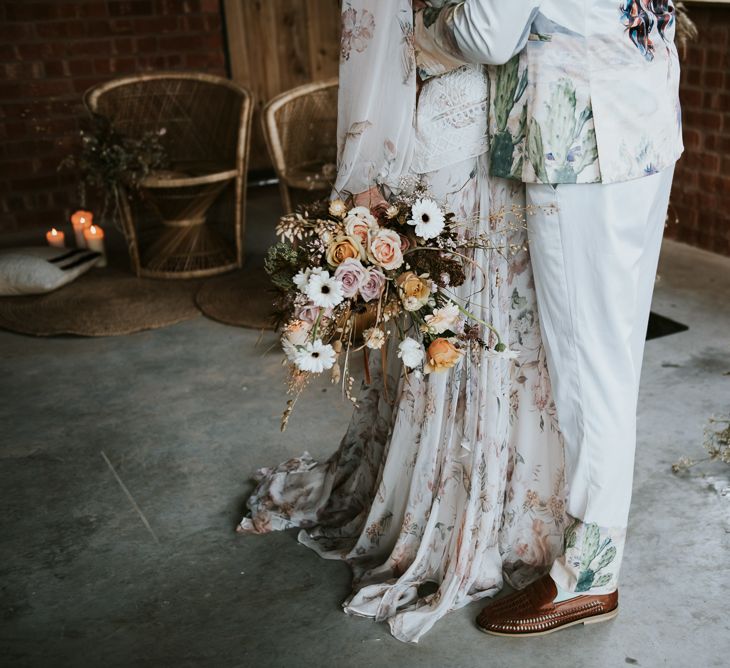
56 238
94 238
81 220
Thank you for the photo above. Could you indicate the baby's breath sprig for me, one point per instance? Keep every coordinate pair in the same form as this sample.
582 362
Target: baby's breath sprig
716 443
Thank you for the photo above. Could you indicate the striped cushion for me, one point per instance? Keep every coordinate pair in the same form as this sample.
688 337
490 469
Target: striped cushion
33 271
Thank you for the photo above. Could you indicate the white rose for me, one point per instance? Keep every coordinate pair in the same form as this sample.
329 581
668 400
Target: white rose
443 319
411 352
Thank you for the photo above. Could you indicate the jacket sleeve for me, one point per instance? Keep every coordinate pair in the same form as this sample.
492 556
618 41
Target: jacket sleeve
489 32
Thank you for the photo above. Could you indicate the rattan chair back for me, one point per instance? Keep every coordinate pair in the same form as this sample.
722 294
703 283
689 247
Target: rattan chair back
205 127
300 127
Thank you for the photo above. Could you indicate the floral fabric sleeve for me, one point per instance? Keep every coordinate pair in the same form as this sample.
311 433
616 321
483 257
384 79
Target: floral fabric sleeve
432 60
377 96
489 32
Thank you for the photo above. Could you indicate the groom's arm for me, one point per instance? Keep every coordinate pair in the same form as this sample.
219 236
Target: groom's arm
480 31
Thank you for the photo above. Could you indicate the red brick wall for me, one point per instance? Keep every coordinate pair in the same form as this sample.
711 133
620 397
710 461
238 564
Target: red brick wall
50 53
701 195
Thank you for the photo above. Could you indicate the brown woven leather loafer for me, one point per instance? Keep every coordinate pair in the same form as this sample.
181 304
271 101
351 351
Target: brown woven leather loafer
531 612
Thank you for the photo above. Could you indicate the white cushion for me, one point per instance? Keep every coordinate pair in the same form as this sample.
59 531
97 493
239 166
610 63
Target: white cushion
33 271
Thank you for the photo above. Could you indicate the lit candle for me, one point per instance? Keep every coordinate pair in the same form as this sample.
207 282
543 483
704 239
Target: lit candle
94 238
81 220
55 238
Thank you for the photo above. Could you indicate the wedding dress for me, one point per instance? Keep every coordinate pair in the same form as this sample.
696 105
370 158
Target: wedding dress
455 478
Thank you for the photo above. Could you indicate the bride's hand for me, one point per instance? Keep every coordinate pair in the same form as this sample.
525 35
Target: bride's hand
372 199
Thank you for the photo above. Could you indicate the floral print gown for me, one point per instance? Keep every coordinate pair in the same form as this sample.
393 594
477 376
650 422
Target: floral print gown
446 485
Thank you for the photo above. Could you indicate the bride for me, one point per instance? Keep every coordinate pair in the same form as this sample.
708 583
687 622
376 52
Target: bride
441 490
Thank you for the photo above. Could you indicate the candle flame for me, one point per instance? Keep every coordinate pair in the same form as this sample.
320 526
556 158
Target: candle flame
82 218
54 232
92 229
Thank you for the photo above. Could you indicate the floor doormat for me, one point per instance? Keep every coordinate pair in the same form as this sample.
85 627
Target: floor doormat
660 326
102 302
241 298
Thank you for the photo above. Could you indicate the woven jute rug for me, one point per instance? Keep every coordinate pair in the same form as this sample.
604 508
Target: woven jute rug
103 302
241 298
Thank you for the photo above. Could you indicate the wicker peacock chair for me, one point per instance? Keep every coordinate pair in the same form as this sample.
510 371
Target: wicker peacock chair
300 127
207 126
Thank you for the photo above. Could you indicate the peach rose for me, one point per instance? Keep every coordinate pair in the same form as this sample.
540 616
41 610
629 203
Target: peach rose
343 248
296 334
414 290
361 224
384 249
441 355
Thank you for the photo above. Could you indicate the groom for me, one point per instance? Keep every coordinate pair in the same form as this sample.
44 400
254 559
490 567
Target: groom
586 114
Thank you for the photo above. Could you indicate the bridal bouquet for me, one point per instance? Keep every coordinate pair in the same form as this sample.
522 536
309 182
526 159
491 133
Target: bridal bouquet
349 278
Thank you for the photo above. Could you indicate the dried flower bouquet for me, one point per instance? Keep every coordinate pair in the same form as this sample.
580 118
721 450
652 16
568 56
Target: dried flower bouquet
350 277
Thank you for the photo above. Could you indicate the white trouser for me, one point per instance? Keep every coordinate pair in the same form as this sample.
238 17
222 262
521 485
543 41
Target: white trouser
594 257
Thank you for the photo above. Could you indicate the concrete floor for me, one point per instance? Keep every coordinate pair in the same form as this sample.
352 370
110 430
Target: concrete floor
185 414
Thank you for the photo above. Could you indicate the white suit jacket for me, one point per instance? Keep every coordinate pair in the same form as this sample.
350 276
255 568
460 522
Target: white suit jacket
593 94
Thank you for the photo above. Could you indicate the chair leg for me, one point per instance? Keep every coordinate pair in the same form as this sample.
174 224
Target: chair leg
130 233
286 200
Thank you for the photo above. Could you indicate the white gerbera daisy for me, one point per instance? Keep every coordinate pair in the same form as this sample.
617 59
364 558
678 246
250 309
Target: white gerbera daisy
301 278
315 357
411 352
324 290
427 218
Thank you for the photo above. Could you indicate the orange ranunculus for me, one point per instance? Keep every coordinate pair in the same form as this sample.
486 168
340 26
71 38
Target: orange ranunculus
441 355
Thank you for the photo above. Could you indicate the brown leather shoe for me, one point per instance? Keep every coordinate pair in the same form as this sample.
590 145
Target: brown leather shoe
531 612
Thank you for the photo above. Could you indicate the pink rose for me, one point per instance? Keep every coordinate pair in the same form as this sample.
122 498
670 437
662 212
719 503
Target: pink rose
373 285
405 242
385 249
309 313
352 275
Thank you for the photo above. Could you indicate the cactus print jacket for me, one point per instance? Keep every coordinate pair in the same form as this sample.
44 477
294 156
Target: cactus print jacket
592 94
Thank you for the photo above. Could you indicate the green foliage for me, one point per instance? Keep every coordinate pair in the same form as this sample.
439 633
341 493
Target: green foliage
109 158
282 262
111 161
